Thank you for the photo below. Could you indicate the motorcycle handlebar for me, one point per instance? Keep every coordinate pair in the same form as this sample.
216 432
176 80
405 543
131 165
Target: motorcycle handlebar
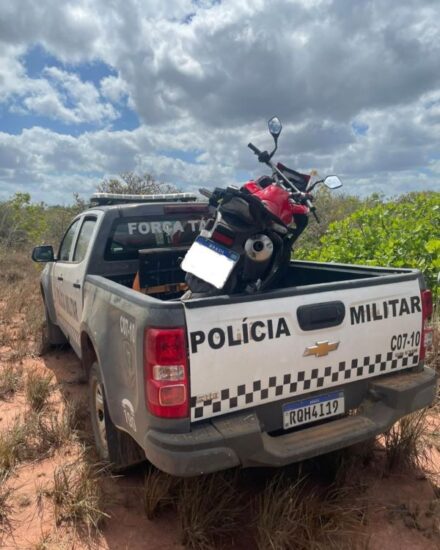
312 207
205 192
263 156
254 149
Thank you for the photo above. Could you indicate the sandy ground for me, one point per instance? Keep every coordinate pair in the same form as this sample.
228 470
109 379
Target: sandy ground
31 521
403 509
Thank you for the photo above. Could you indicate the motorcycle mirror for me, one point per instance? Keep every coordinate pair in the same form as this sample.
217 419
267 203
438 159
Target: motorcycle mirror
275 127
332 182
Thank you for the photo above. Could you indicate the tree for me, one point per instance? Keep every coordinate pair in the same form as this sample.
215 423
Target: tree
130 183
21 220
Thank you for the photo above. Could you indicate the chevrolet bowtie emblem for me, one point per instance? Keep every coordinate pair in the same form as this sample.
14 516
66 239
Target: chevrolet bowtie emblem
321 349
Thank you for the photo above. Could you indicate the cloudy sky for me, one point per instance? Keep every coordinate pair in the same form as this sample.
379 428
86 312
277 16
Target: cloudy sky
177 88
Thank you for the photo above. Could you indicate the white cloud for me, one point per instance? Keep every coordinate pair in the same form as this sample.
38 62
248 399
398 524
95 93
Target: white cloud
57 94
49 105
114 88
38 157
203 76
87 102
11 71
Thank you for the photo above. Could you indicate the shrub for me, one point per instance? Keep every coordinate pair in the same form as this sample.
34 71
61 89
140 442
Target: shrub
400 233
405 441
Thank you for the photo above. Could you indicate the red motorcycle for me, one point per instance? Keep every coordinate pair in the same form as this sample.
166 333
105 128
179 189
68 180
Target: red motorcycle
246 244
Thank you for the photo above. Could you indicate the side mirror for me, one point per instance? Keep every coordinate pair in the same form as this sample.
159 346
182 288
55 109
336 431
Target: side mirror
332 182
275 127
43 254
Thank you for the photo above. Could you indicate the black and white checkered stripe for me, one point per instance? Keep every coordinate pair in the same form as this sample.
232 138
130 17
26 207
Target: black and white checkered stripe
304 381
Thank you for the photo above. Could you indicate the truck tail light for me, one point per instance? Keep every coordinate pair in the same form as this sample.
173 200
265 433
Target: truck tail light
166 372
426 339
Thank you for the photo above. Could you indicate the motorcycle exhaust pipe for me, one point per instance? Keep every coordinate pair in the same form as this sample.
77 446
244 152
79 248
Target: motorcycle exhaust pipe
259 248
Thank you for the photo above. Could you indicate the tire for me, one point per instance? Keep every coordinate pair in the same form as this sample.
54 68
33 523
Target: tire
52 334
113 445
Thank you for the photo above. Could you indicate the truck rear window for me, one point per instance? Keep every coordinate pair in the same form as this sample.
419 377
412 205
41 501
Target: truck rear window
129 235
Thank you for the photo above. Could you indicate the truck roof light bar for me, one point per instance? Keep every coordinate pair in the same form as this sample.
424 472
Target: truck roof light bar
107 199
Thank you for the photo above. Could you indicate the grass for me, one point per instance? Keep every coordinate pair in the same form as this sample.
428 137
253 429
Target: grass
160 492
14 444
23 313
11 379
405 442
290 513
35 436
77 496
344 467
38 389
5 504
278 514
286 512
210 510
53 431
44 543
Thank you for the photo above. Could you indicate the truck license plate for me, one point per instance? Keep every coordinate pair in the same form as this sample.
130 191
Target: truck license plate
210 261
312 410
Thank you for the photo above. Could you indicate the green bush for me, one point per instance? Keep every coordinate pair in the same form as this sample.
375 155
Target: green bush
24 223
330 207
400 233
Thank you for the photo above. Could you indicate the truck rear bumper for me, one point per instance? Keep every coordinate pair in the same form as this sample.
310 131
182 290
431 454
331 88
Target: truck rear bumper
238 440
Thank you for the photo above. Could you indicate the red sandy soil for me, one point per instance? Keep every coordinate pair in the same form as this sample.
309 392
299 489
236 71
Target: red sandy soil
405 509
393 501
32 519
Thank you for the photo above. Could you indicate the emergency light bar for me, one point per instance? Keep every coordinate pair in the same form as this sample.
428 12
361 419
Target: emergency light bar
107 199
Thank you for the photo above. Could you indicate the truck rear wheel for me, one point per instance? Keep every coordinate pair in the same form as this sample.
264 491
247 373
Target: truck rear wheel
113 445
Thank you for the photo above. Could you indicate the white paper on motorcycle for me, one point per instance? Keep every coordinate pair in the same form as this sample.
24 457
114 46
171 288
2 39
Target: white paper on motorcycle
210 261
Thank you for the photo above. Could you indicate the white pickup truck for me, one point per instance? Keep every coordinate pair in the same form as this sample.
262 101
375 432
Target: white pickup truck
332 356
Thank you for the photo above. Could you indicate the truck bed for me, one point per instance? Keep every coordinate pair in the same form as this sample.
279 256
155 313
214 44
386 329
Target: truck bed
299 274
322 289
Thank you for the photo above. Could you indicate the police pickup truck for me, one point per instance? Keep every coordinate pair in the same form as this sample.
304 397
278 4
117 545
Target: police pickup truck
333 356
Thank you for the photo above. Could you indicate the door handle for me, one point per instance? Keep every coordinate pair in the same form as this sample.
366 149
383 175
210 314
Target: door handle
76 285
60 278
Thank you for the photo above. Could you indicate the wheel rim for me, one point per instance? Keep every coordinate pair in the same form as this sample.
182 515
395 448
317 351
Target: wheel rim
100 414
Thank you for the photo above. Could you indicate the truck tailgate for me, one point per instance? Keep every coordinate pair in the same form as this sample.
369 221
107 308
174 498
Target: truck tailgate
246 354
